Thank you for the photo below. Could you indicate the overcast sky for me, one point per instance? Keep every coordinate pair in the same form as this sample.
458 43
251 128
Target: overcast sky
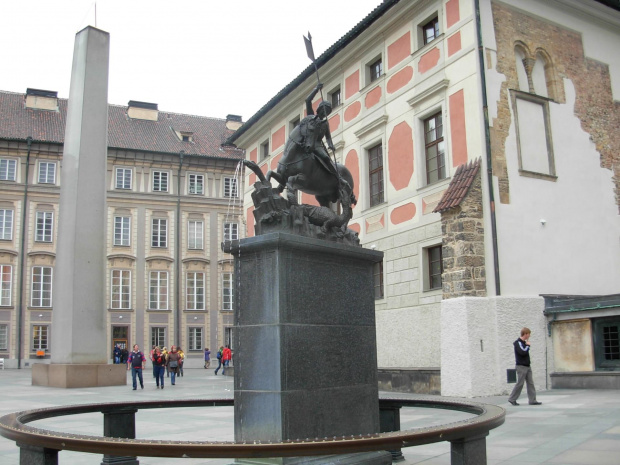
200 57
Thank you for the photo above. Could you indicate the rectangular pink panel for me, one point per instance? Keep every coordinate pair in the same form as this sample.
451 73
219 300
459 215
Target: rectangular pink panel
458 133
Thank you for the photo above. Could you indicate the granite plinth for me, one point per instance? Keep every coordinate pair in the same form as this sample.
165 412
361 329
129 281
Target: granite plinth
305 340
363 458
63 375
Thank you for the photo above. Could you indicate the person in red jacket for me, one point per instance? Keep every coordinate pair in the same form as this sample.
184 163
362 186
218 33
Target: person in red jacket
226 356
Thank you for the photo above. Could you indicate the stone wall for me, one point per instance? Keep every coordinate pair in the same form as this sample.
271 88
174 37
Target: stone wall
463 246
595 107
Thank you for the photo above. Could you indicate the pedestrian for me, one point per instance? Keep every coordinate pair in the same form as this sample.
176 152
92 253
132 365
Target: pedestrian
124 354
117 354
164 352
182 354
172 362
159 363
151 359
219 359
524 371
137 362
226 357
207 357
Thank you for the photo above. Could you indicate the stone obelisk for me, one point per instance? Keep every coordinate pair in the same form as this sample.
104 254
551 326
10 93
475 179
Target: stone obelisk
79 346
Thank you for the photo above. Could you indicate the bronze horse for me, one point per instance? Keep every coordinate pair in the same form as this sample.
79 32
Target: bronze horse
300 170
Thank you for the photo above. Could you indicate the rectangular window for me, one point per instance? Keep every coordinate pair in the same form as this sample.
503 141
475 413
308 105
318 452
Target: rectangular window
45 222
7 169
264 150
611 342
231 187
6 281
121 290
160 181
375 69
158 336
335 97
434 148
227 292
39 337
158 290
196 184
4 337
195 235
435 267
123 178
375 173
195 338
122 228
159 233
195 291
41 295
6 225
378 278
47 173
430 30
231 231
533 130
293 123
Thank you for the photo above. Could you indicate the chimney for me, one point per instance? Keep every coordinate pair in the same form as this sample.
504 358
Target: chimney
233 122
42 99
142 110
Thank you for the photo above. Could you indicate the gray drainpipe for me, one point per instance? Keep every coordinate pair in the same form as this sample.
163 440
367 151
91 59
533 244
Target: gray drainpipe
177 313
22 266
487 136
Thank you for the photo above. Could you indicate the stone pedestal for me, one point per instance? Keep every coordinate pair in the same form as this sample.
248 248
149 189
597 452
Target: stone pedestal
64 375
305 342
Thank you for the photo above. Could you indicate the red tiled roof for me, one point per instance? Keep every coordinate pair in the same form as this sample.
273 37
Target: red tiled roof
19 122
459 186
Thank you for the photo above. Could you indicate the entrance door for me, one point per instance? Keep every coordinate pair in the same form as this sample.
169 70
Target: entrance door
119 336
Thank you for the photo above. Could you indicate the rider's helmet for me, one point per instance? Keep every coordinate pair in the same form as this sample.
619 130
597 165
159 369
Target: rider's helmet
324 109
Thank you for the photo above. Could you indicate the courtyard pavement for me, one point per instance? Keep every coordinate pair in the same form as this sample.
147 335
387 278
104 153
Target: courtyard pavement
571 427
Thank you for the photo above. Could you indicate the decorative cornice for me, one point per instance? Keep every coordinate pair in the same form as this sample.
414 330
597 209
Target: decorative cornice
381 120
438 87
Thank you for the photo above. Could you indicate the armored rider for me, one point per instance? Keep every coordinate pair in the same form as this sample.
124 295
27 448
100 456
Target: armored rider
313 128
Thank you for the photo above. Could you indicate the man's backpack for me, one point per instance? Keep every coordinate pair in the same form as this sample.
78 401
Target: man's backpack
219 355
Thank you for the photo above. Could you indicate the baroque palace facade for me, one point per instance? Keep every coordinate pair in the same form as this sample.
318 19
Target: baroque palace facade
172 198
483 139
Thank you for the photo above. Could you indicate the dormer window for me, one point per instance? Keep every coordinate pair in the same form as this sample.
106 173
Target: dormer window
187 136
142 110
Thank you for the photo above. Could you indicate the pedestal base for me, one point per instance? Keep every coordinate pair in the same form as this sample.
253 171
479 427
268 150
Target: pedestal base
78 375
364 458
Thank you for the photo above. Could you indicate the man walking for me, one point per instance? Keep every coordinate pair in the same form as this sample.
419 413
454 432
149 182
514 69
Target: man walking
226 356
137 362
524 371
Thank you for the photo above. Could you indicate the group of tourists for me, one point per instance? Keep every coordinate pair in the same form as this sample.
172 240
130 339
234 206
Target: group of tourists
170 363
120 355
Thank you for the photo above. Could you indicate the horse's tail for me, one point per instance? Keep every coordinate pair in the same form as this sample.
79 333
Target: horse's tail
257 171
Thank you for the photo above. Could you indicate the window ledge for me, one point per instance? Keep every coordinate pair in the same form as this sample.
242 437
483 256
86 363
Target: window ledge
535 175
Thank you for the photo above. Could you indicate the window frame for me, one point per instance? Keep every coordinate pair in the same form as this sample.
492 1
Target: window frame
426 25
158 338
231 229
44 226
192 295
43 337
6 227
374 69
38 288
159 233
228 292
159 300
335 96
231 187
377 272
193 344
122 289
429 274
195 242
195 183
378 197
6 285
46 174
8 169
125 184
264 150
434 143
4 337
122 234
160 181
